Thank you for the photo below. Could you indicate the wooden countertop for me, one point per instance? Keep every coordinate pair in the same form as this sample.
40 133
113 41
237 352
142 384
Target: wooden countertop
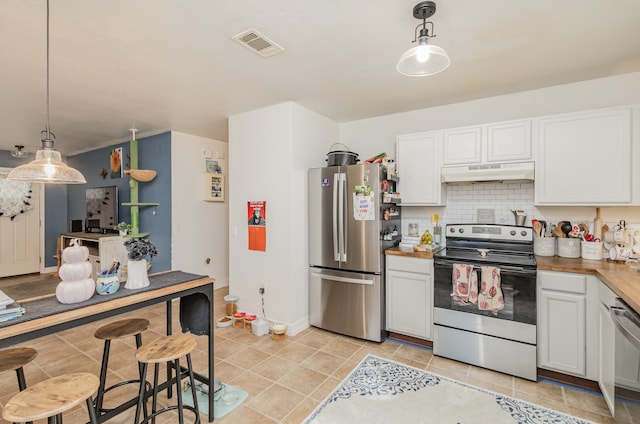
423 255
620 278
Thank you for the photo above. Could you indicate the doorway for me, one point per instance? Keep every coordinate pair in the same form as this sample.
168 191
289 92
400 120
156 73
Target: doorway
20 237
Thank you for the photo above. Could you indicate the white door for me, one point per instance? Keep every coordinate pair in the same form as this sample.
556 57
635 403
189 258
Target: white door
20 238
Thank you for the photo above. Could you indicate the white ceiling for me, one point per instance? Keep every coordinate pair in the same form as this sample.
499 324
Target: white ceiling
171 64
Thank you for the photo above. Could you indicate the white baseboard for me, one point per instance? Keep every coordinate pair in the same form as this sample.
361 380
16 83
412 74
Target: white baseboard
298 326
49 269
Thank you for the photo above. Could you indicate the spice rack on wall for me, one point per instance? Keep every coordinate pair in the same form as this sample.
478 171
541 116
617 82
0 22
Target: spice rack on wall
137 176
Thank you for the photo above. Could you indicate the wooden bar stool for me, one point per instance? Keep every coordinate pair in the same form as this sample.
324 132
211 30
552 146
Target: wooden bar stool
167 349
50 398
112 331
14 359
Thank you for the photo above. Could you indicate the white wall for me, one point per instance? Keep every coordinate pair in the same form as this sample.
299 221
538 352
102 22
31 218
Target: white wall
199 229
270 150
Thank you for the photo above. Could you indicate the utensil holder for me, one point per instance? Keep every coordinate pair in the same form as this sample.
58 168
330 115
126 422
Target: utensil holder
544 246
107 284
569 248
520 219
592 250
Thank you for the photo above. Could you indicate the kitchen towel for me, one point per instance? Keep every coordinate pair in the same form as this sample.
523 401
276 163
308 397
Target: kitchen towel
465 284
490 297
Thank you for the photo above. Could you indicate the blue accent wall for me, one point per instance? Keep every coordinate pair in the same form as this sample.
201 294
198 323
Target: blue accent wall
66 202
153 153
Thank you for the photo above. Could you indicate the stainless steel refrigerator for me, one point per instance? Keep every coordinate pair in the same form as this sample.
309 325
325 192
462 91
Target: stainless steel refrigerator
349 228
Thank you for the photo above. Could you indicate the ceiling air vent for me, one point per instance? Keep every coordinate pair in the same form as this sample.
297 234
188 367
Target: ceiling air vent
258 43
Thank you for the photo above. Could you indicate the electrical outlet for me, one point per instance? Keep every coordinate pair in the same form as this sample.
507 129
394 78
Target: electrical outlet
261 290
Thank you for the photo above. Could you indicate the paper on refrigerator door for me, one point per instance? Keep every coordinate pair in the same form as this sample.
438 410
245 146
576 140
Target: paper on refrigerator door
364 207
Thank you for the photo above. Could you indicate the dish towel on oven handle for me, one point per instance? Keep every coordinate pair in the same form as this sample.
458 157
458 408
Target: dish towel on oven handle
464 284
490 297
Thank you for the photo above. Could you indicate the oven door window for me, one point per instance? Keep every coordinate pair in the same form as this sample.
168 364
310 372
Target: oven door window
518 289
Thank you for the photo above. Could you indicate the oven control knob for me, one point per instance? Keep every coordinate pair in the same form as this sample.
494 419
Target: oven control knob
452 230
512 232
523 233
461 230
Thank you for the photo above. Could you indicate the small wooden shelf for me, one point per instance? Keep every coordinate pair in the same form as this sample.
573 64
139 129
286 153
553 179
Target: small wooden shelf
136 235
140 204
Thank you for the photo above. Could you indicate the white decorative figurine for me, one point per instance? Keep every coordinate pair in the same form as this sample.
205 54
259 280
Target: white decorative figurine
76 285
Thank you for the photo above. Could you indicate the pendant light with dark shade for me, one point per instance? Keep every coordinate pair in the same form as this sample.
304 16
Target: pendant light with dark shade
47 166
425 58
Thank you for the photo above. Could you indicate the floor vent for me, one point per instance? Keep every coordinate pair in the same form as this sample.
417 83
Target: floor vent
258 43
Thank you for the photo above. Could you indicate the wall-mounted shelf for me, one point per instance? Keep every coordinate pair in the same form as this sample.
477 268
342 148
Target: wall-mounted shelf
135 176
136 235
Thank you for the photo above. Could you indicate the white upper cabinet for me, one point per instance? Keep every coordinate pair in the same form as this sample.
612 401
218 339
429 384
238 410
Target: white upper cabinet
585 158
497 142
462 146
509 141
419 161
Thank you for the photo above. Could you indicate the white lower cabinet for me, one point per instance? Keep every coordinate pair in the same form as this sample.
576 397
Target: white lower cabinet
409 292
567 313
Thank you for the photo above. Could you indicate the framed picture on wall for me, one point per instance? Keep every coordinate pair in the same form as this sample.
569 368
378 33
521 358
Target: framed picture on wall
115 161
213 187
212 166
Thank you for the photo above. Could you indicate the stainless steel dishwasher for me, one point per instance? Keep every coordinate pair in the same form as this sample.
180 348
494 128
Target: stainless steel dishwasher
619 356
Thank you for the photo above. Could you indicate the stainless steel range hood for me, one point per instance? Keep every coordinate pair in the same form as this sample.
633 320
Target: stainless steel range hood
500 172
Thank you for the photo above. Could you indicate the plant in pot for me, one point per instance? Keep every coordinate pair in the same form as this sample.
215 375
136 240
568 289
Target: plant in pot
139 250
123 228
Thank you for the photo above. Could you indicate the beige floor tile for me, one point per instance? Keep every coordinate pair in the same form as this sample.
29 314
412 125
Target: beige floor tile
277 402
245 414
296 352
303 379
316 339
248 358
586 401
286 380
273 368
341 347
302 411
251 383
323 362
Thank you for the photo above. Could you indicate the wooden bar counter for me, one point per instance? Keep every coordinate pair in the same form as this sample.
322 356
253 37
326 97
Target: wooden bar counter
45 315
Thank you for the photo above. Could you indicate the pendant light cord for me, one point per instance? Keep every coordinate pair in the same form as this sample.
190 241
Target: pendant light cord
47 86
47 140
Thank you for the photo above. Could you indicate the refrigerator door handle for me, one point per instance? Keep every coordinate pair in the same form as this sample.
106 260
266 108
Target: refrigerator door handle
342 248
336 187
366 282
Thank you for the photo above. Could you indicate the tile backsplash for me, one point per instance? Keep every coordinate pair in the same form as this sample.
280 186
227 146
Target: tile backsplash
464 200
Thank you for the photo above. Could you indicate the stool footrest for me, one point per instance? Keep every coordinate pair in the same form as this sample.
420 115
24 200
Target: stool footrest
102 410
172 408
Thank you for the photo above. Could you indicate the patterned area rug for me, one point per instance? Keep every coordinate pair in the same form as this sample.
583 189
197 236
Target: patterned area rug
384 391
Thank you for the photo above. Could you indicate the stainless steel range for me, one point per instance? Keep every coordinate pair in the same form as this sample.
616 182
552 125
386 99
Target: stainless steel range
485 298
